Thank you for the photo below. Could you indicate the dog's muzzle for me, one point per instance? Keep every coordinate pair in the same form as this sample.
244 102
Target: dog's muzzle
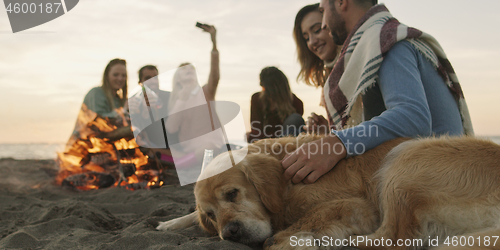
232 231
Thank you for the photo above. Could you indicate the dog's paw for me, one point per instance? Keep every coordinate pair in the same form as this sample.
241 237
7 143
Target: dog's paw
179 223
166 226
170 225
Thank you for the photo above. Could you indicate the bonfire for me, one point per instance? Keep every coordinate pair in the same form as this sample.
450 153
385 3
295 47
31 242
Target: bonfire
101 153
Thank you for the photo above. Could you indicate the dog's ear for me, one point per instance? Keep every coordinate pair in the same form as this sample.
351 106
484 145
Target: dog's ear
266 174
206 224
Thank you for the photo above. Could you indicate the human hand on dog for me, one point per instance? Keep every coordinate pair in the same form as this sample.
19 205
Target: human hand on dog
312 160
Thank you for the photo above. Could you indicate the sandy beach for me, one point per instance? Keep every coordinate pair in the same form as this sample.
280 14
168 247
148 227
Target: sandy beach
37 214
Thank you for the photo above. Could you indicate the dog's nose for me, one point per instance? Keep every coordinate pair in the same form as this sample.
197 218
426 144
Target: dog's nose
232 231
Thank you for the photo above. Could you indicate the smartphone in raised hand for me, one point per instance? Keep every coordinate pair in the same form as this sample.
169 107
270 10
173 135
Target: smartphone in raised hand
199 25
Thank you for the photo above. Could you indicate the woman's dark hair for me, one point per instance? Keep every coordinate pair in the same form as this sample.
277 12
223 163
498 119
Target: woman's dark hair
122 94
311 66
277 96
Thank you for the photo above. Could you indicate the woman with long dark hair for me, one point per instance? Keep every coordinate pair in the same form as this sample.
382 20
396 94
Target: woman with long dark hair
275 111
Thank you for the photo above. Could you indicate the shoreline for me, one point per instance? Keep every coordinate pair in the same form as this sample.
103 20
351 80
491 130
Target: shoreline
32 151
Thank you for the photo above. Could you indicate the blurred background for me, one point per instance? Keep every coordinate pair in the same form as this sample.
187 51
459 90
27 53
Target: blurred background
46 71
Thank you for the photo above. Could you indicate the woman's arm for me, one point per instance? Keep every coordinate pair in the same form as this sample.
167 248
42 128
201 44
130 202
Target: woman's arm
213 79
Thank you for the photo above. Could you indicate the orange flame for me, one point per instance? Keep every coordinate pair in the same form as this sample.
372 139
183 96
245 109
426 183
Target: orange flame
92 163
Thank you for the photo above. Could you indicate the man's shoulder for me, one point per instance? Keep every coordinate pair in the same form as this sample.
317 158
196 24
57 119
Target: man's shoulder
401 53
402 47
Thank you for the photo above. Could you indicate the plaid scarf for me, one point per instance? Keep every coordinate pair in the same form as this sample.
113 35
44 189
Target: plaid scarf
362 56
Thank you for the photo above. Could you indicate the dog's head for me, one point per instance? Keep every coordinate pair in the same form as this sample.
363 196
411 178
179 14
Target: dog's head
246 202
238 203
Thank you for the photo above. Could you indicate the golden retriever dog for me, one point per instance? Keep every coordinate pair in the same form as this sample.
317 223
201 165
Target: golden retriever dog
404 194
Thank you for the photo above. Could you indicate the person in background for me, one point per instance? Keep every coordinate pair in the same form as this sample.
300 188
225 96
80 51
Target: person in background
390 81
102 114
112 94
316 53
152 135
185 120
109 100
148 75
275 111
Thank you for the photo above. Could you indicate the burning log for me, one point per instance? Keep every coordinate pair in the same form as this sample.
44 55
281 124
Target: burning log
101 158
89 180
128 169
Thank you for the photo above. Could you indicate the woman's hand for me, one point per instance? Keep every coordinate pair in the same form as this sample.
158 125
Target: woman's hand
210 29
210 88
317 124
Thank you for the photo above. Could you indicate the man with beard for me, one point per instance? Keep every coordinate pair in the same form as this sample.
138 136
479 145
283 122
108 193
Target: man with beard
390 81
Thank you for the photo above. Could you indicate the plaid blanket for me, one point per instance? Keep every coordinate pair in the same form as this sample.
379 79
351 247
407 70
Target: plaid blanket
361 58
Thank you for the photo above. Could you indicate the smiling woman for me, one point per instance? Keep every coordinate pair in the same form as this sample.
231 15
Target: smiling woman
107 103
315 48
316 53
112 93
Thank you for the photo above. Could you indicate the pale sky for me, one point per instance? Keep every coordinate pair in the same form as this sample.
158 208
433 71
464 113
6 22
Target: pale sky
46 71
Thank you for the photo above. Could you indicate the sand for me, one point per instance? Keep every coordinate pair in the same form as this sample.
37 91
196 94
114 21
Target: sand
37 214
